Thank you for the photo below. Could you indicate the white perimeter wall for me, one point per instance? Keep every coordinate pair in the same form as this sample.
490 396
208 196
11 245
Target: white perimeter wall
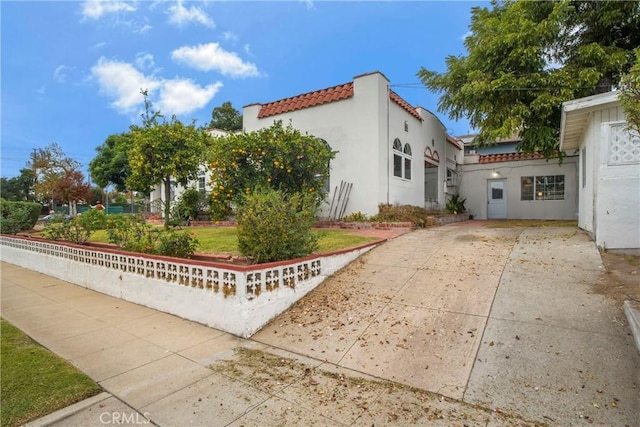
180 288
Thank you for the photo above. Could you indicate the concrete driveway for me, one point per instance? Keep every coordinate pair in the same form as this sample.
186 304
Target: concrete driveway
499 316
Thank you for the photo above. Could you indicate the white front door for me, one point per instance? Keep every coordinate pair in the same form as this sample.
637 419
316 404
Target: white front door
497 199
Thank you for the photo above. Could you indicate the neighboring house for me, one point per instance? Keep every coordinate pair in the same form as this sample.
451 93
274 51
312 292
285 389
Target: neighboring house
515 185
519 186
609 169
499 182
388 150
203 183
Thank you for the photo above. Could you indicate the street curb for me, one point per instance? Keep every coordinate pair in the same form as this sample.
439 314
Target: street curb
68 411
633 316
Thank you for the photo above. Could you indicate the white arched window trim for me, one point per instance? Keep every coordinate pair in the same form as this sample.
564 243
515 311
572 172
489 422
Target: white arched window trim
402 159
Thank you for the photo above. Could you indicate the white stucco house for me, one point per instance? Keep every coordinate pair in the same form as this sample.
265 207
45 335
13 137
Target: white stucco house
608 188
203 183
392 152
388 150
499 182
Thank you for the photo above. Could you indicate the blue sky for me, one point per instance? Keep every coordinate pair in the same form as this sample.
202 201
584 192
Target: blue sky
71 71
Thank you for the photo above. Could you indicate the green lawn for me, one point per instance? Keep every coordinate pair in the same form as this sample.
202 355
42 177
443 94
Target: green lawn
224 240
36 382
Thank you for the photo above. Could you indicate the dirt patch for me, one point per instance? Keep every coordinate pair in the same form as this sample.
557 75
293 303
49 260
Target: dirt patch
622 277
354 399
525 223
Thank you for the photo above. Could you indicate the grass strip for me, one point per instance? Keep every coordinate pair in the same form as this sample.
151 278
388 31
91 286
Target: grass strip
36 382
224 240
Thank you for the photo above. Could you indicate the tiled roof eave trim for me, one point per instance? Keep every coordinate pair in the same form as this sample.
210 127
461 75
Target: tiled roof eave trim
509 157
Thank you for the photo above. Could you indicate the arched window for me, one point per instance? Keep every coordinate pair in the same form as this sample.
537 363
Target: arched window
397 158
407 161
401 159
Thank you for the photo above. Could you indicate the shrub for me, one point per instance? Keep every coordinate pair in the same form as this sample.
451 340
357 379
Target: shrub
132 233
189 204
62 229
273 226
455 205
129 232
416 215
355 217
18 216
175 244
93 219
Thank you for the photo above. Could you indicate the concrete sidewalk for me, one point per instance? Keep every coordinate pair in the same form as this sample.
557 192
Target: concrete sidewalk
500 322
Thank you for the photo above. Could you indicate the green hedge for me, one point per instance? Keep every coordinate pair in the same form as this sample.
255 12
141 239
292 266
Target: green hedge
273 226
18 216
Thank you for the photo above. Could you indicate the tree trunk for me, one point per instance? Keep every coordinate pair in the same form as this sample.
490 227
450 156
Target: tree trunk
167 200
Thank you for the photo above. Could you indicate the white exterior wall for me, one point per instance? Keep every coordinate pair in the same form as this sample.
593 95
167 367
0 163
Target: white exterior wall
352 127
609 205
618 195
473 187
362 129
455 158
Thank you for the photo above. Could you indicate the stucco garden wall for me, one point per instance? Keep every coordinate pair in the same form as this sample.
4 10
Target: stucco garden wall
236 299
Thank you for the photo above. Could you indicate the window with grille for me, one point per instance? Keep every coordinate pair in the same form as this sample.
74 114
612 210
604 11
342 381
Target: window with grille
549 187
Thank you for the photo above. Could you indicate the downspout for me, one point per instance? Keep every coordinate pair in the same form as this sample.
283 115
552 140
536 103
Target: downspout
446 169
387 143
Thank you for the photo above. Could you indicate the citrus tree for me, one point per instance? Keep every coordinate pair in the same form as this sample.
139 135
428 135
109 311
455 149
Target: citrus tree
164 151
276 157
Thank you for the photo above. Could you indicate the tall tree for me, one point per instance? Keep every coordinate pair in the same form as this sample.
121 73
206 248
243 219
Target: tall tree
226 117
19 188
49 165
163 151
526 58
72 187
630 95
111 165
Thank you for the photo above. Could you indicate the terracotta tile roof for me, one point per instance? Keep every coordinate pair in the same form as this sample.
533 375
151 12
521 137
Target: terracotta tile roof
455 142
323 96
310 99
404 104
508 157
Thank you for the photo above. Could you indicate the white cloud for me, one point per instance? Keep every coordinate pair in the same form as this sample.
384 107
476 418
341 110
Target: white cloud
94 9
183 96
144 60
143 29
247 50
61 72
180 15
99 45
211 56
229 36
123 82
309 4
